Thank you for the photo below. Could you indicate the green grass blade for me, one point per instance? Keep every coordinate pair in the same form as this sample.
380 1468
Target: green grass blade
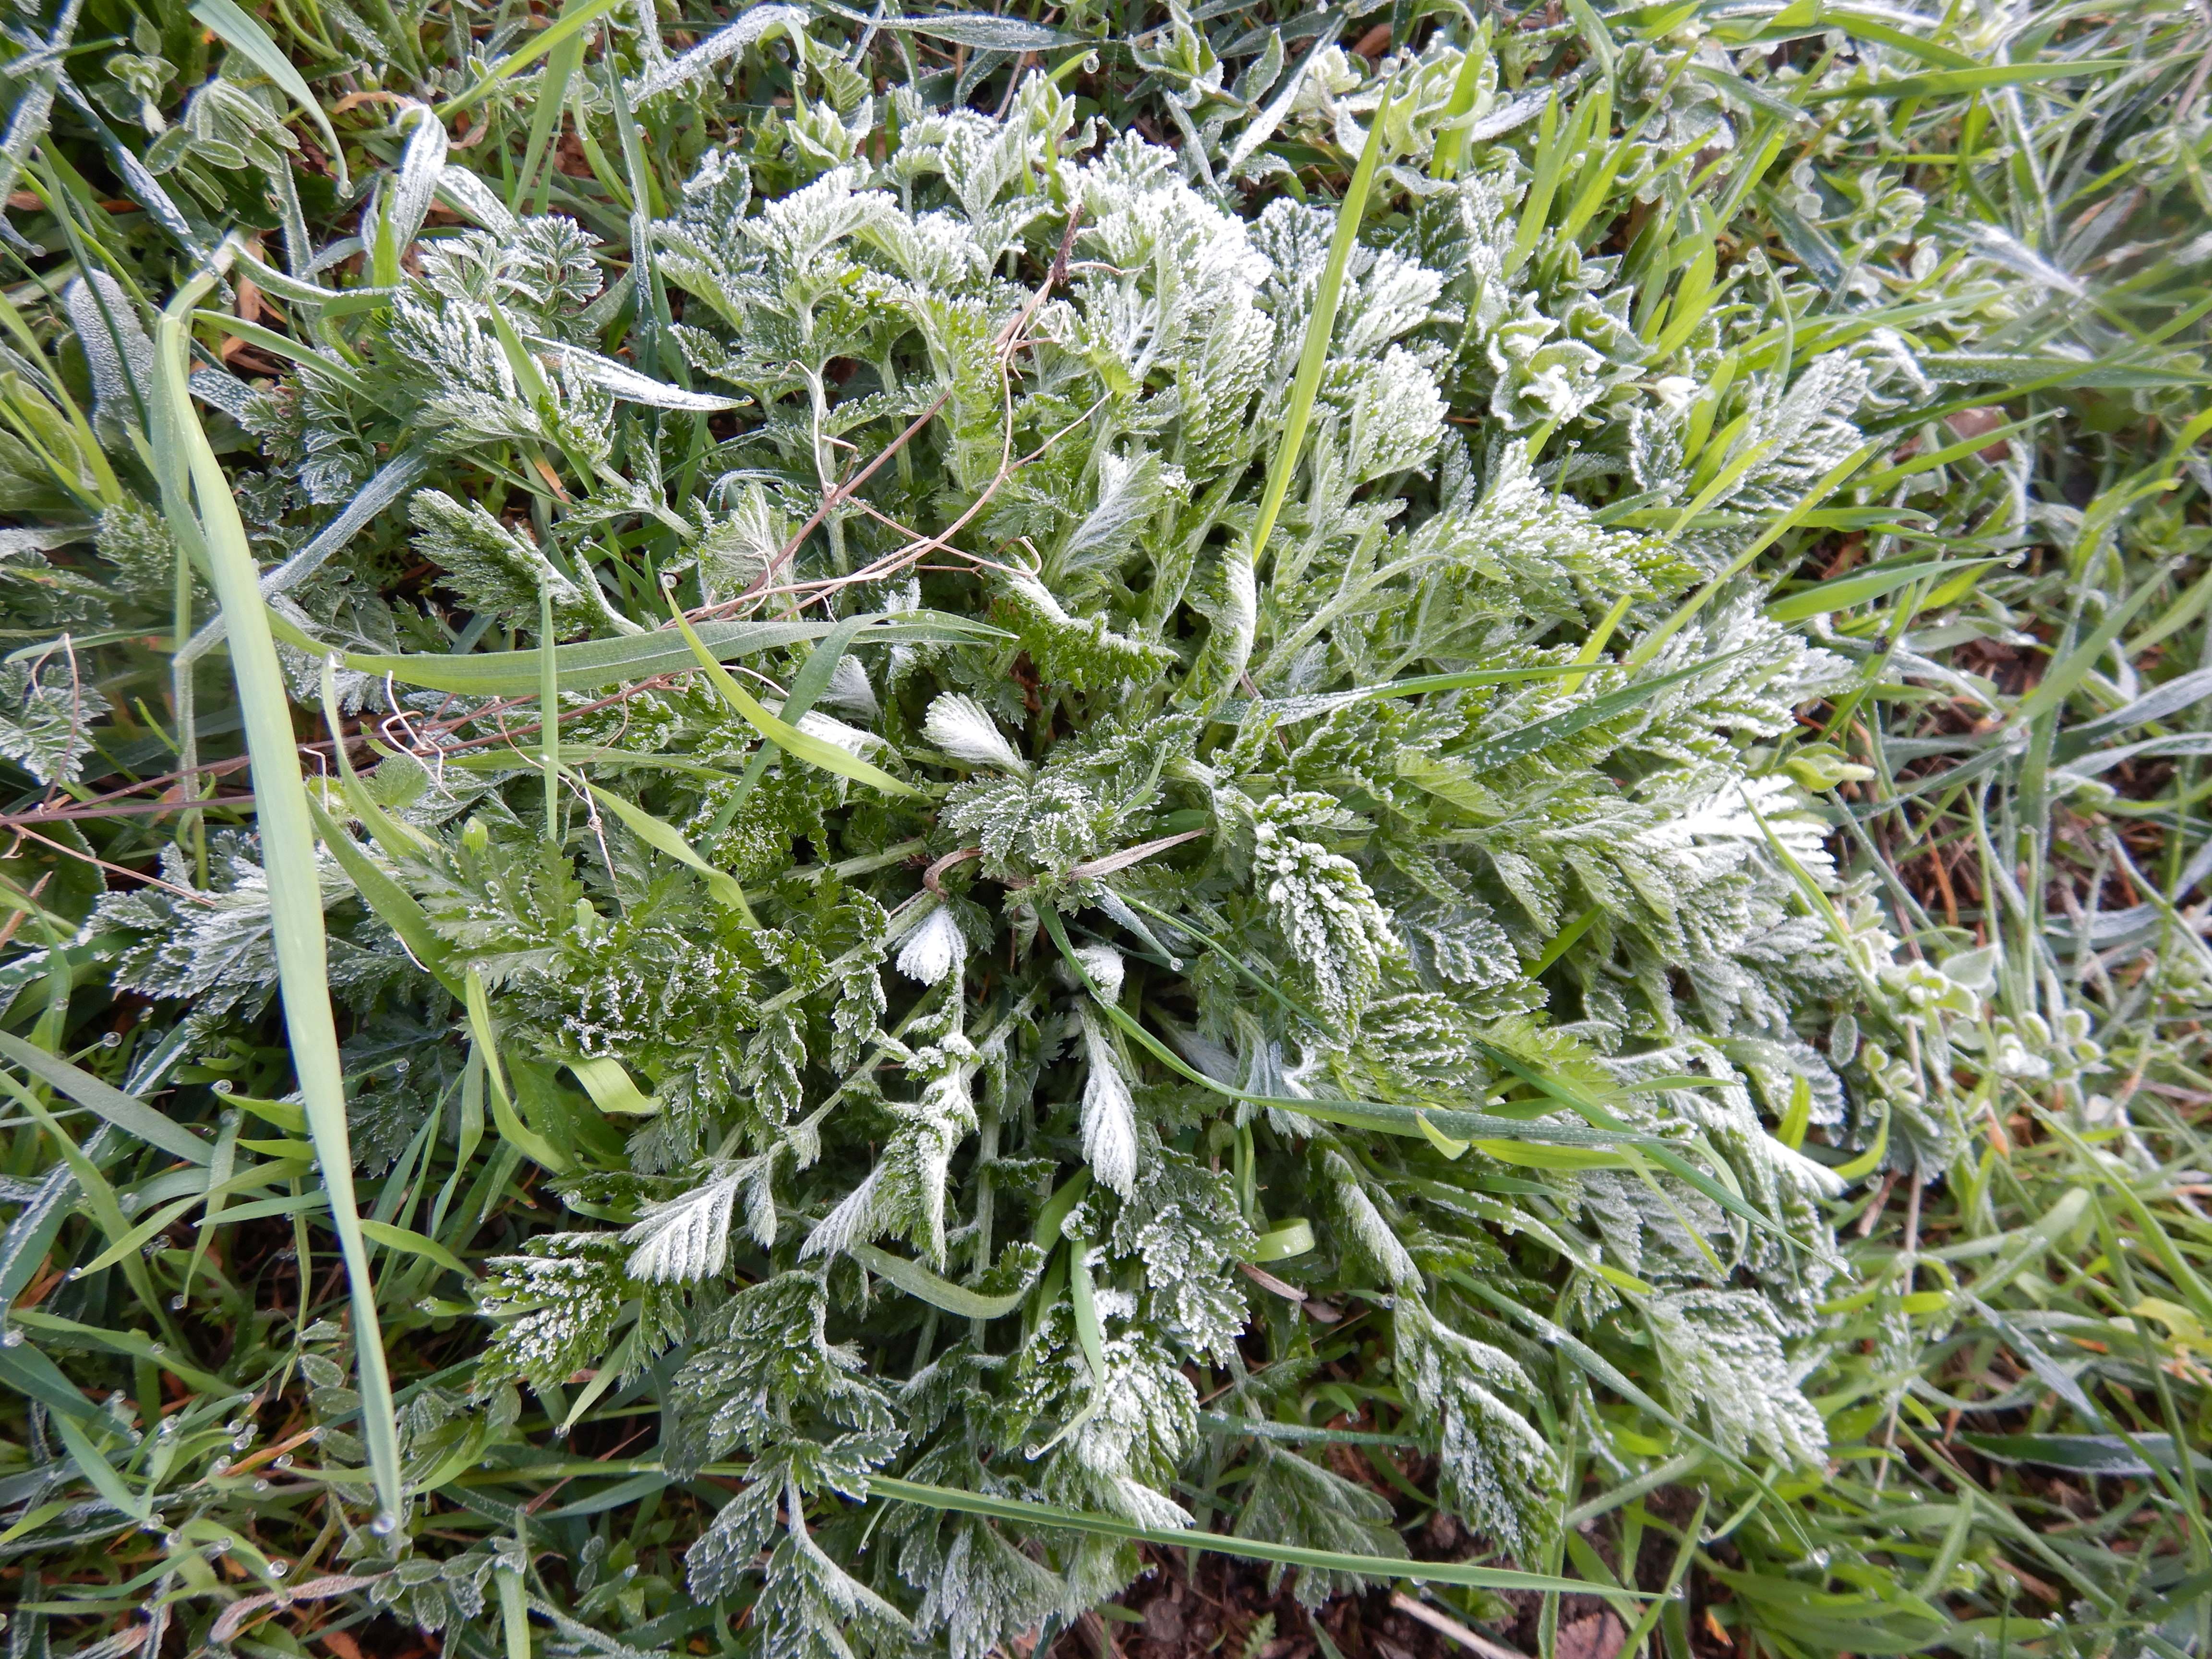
1523 740
572 20
394 905
664 838
1305 385
939 1292
1252 1549
126 1112
1688 610
288 848
512 1128
97 1469
1842 592
591 664
800 745
28 1372
2066 673
1944 83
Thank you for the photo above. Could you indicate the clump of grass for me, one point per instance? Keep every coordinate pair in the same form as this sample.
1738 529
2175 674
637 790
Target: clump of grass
823 826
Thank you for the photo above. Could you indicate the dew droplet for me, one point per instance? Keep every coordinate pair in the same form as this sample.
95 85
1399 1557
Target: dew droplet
177 1301
385 1525
278 1568
11 1338
260 1486
112 1040
284 1461
222 1085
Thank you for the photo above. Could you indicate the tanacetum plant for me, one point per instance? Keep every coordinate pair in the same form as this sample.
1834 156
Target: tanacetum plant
1013 802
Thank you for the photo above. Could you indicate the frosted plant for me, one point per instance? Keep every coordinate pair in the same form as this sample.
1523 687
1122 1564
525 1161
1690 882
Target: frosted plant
1069 950
46 719
959 725
933 949
1110 1113
686 1237
1723 1358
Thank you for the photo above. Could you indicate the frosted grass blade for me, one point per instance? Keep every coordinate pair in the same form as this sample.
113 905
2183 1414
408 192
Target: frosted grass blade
727 41
626 383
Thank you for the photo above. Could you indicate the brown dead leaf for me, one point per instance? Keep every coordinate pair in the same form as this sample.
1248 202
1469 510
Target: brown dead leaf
1973 422
1600 1636
1164 1620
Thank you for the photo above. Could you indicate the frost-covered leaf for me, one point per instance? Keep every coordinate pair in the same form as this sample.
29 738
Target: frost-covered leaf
960 726
1498 1472
1724 1362
688 1237
1330 921
47 717
1292 1499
